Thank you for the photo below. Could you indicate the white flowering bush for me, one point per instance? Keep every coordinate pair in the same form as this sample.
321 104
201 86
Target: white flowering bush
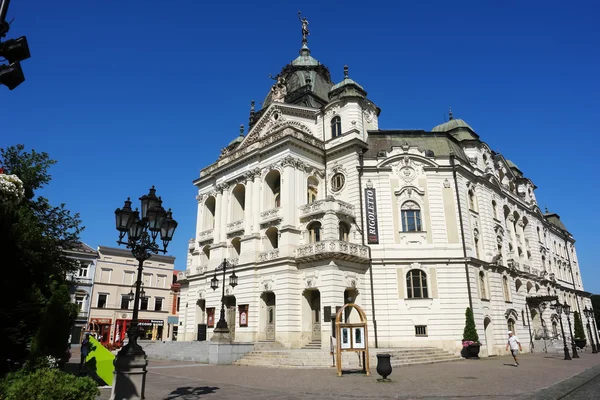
11 190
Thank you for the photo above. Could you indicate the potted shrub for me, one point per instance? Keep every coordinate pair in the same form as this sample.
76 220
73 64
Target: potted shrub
470 339
579 335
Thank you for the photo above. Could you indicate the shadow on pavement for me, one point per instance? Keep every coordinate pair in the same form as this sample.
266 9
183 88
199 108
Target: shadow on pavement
188 391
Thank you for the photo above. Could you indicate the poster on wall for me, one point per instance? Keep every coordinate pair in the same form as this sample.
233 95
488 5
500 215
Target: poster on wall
346 338
359 338
371 213
243 315
210 321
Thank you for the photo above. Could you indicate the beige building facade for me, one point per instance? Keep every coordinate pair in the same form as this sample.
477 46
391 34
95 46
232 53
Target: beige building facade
115 277
316 205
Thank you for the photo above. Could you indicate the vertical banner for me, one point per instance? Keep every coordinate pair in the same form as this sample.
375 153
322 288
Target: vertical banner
371 209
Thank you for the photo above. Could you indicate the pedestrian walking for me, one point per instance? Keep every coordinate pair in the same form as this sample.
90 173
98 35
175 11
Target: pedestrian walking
515 346
85 350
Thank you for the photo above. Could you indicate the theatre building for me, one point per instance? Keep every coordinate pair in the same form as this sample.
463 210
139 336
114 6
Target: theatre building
112 304
316 205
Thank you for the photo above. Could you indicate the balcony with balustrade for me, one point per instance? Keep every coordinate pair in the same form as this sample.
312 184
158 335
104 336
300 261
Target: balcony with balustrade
328 249
270 216
329 204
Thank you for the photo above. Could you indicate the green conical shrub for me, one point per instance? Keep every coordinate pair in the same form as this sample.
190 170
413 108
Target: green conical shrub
470 332
579 332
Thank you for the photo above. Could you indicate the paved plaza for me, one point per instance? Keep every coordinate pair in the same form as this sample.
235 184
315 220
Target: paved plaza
540 376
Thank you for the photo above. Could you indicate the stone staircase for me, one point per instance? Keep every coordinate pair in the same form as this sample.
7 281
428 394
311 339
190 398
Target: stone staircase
313 345
317 358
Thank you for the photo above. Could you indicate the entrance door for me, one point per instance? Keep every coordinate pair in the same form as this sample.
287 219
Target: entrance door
230 318
271 322
489 336
316 315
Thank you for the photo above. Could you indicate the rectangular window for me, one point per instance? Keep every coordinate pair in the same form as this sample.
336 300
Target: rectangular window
420 330
79 301
125 302
83 271
102 299
161 281
158 304
144 303
411 220
129 278
147 280
178 302
105 275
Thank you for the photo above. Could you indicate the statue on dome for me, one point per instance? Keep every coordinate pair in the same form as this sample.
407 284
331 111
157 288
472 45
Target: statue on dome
278 90
305 31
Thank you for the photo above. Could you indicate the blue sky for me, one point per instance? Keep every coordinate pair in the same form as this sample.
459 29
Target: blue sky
129 94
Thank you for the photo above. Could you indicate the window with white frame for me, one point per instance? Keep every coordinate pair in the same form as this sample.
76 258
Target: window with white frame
102 300
411 217
158 304
147 280
336 126
83 270
416 284
128 277
79 299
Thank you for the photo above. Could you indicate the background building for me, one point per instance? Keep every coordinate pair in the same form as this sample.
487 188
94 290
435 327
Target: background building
111 310
83 280
316 206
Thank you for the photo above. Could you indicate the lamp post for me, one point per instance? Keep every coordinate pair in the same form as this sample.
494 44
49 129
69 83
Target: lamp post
221 332
142 233
558 307
588 313
567 310
595 324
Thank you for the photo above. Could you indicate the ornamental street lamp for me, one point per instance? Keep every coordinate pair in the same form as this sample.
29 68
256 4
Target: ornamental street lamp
142 233
13 50
567 310
588 313
559 307
221 332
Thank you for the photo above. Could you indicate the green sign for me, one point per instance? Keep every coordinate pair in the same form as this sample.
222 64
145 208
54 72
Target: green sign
100 360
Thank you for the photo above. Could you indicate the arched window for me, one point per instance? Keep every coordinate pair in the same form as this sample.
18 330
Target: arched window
336 127
272 238
238 205
205 255
538 234
472 200
237 246
518 285
210 206
314 232
273 192
416 284
495 209
506 289
344 231
482 285
554 329
312 189
411 217
511 326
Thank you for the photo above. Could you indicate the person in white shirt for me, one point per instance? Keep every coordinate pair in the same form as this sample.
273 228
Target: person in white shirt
515 346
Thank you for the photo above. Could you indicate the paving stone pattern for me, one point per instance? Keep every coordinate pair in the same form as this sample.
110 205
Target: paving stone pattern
489 378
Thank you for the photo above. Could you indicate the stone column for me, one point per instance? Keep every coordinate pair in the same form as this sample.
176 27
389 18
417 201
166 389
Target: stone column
218 213
257 189
288 183
224 212
199 215
521 230
249 213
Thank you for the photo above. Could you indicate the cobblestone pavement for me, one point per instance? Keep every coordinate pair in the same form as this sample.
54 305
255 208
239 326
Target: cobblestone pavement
489 378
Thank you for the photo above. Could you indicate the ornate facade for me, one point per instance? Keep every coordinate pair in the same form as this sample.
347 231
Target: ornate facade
316 206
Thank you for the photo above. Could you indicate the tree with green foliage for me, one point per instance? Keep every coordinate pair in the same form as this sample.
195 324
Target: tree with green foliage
34 298
579 332
470 332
